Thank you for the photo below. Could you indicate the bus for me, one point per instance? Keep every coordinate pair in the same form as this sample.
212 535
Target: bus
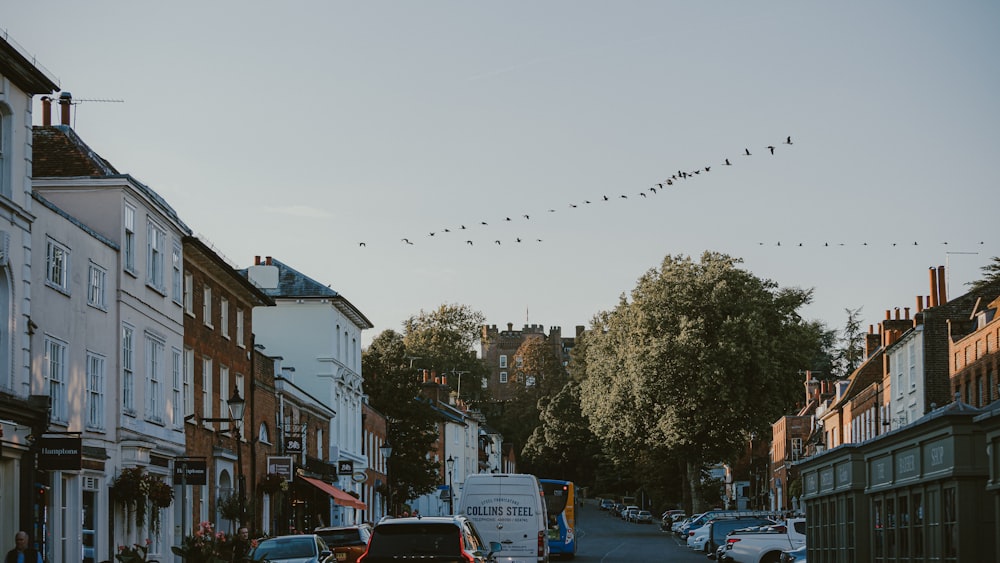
560 503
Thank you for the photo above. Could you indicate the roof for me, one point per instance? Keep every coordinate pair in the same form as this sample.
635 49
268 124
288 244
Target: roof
22 70
58 152
293 284
97 236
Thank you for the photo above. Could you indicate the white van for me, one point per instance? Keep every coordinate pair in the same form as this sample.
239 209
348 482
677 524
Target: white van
508 508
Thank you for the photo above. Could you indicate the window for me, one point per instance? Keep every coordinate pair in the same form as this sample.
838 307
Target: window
223 396
188 294
56 264
518 361
6 132
484 382
95 287
503 360
239 328
128 370
796 448
155 247
950 524
176 288
224 317
176 371
206 389
206 307
55 375
188 382
154 378
503 377
129 245
95 391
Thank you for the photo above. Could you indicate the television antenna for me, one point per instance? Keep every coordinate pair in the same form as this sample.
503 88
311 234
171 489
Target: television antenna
78 101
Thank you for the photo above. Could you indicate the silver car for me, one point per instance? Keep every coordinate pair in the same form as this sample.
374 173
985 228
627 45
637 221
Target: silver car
302 548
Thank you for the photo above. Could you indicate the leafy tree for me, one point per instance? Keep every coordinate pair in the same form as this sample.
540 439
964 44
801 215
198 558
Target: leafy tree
991 273
702 355
444 340
562 445
394 390
852 351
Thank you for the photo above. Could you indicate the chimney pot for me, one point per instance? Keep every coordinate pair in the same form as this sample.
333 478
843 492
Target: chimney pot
906 311
267 260
920 303
933 302
46 111
65 102
942 289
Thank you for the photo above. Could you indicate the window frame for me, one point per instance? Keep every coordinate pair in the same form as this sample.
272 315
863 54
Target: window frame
57 265
56 372
128 370
97 278
96 377
156 243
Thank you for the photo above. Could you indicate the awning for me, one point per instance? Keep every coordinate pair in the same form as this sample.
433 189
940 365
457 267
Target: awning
339 496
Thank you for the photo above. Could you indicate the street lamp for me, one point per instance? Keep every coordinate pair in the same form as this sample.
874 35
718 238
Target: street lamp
451 491
386 450
236 407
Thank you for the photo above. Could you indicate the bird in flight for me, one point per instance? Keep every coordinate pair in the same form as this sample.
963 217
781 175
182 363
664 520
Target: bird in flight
788 141
362 244
572 205
708 168
518 239
605 198
526 216
498 242
469 242
770 148
746 152
406 240
508 218
447 230
431 234
643 194
586 201
482 222
623 196
727 163
654 189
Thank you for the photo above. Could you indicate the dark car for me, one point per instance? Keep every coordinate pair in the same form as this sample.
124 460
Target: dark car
432 539
301 548
346 542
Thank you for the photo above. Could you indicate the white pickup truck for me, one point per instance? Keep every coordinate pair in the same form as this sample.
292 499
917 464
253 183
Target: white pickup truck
766 544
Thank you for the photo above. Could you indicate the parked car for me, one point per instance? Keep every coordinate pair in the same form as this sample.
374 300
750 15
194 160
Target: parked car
428 538
697 537
301 548
346 542
720 528
607 504
631 513
644 517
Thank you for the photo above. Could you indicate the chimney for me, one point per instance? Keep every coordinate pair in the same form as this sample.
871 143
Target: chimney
920 303
267 261
256 260
65 101
46 111
906 313
510 327
888 314
897 313
427 377
934 290
444 380
942 290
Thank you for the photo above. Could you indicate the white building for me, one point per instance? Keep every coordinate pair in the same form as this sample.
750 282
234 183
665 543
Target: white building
74 357
906 381
317 332
23 408
144 382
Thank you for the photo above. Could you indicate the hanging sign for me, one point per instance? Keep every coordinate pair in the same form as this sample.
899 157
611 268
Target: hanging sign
60 454
190 472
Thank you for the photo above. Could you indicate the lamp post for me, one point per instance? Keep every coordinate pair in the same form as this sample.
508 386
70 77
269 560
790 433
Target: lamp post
386 450
236 407
451 491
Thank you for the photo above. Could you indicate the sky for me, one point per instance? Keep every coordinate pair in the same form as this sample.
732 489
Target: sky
302 129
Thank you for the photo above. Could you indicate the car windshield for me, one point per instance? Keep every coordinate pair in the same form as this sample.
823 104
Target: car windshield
414 539
285 548
347 536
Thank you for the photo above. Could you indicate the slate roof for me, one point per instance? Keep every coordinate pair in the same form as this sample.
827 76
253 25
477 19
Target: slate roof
293 284
58 152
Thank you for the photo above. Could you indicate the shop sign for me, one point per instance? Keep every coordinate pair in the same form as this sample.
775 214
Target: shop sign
190 472
280 465
345 467
60 454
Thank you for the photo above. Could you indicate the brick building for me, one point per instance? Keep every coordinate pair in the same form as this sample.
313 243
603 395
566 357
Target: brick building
218 338
499 352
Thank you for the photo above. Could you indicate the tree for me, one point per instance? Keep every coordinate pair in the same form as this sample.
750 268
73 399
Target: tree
443 340
697 345
852 352
394 390
991 273
562 445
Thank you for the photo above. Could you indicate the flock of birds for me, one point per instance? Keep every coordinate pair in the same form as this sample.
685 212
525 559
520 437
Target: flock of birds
672 180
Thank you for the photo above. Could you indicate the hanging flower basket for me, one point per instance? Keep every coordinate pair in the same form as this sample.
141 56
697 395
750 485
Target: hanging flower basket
160 495
130 488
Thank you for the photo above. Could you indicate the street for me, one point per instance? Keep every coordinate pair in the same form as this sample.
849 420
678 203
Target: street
604 538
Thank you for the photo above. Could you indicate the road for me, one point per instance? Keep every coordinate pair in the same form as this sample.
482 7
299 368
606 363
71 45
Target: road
607 539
